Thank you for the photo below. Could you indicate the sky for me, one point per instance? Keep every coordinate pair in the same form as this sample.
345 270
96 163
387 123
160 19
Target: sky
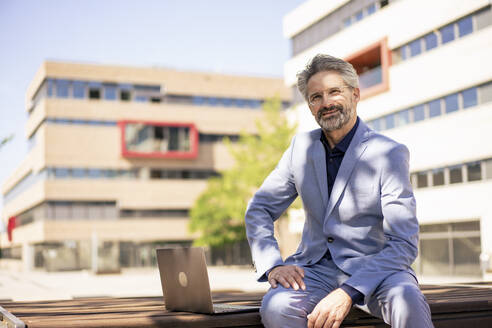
223 36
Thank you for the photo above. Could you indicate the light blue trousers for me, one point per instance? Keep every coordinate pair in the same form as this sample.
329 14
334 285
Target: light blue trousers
397 300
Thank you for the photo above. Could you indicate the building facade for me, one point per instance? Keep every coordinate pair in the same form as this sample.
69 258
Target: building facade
117 157
426 81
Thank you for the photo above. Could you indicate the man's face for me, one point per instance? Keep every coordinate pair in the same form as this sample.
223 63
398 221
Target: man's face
332 103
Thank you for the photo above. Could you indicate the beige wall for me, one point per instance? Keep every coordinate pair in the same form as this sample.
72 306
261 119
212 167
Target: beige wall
175 82
138 230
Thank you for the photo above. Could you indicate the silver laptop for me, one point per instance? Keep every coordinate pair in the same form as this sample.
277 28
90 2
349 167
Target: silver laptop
185 285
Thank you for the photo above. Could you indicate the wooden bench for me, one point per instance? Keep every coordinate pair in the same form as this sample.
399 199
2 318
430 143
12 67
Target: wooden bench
451 306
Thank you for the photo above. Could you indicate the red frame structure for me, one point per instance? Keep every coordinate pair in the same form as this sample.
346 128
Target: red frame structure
379 48
193 153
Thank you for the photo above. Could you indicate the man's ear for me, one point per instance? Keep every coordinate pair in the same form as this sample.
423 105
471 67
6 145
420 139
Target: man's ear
357 94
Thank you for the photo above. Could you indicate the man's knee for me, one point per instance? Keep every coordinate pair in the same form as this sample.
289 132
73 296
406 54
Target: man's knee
282 307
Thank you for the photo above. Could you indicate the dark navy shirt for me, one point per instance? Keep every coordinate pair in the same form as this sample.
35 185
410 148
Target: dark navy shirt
334 159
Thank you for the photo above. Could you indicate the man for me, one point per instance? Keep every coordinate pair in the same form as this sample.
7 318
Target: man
361 233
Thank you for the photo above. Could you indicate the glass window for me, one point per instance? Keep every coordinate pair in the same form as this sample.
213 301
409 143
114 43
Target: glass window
94 173
403 117
79 89
474 171
389 121
125 95
470 97
376 124
383 3
435 108
61 172
62 88
451 102
438 177
486 92
141 98
455 175
358 16
430 41
488 169
415 47
347 22
465 26
109 91
403 52
371 9
447 33
94 90
418 113
466 256
422 180
434 256
78 173
50 86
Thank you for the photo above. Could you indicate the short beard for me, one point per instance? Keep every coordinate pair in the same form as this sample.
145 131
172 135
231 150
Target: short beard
335 121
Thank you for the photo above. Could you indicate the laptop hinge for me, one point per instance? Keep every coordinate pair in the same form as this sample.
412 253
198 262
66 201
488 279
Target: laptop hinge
8 320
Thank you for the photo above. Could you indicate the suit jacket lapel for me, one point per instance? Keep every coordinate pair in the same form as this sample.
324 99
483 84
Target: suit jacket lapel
319 158
351 157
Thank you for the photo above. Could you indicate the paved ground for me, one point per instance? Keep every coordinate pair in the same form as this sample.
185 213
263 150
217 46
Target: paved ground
39 285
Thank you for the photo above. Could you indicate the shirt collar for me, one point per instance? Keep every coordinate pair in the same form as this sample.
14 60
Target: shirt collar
343 145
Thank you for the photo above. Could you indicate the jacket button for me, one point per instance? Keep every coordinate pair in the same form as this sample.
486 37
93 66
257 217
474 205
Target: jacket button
330 239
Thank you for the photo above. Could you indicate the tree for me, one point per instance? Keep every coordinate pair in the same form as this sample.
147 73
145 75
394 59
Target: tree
218 214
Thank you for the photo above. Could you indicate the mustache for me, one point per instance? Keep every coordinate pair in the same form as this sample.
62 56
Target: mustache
329 109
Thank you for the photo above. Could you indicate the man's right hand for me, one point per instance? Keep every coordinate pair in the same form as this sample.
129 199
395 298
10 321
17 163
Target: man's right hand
288 276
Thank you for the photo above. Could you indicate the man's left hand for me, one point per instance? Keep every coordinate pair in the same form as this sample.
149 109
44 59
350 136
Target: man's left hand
331 310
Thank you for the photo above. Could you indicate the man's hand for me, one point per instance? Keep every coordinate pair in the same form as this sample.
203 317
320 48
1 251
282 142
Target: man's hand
288 276
331 310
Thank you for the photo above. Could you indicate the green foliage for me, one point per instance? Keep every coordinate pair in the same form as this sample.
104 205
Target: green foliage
218 214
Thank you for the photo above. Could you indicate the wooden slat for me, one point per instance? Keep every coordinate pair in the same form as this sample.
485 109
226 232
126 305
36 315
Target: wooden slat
451 306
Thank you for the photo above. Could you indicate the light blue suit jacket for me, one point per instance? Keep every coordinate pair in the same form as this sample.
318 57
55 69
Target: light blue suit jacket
369 217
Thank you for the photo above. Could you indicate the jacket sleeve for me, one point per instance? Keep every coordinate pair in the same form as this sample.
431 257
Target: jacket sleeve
274 196
400 225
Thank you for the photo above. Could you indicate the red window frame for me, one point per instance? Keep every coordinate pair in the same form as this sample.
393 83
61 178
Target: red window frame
191 154
385 58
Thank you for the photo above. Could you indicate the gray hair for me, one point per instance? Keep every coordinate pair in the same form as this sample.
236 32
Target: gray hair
321 63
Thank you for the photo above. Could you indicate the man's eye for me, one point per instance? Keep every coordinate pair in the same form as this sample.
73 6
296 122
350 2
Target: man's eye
335 92
315 97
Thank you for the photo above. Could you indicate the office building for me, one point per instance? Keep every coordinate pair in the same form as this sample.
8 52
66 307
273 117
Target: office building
117 157
426 81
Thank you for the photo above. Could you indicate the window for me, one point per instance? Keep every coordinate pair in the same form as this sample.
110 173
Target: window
415 48
159 140
62 87
474 171
376 124
61 172
435 108
347 22
95 173
422 180
390 121
358 16
488 169
451 102
94 90
430 41
470 97
50 86
383 3
109 91
438 177
455 175
141 98
78 173
79 89
418 113
403 52
447 33
403 117
371 9
465 26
